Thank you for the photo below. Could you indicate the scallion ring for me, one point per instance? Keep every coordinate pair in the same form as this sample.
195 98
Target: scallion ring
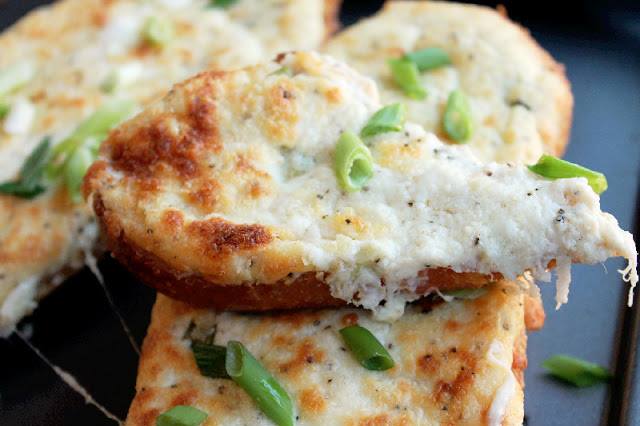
406 75
93 130
4 109
366 348
261 386
222 4
75 168
465 293
555 168
457 121
158 31
578 372
353 162
30 183
388 119
181 415
210 359
429 58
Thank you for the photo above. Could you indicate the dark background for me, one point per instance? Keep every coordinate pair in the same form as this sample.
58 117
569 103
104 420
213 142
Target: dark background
599 42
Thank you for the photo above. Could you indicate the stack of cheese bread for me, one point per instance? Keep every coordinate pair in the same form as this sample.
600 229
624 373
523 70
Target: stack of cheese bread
384 187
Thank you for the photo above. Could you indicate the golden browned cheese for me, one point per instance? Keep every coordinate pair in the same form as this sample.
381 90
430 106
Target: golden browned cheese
519 95
227 187
459 363
73 47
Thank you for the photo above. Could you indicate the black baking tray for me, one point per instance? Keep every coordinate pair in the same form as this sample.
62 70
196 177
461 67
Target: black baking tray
599 42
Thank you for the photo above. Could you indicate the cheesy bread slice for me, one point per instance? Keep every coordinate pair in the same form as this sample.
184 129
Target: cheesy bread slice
520 96
63 64
458 363
229 193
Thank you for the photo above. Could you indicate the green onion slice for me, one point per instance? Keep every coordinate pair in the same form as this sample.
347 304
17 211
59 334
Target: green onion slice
555 168
210 359
110 83
15 76
429 58
223 4
92 131
74 170
283 70
181 415
261 386
4 109
457 122
406 75
578 372
158 31
353 162
366 348
388 119
30 181
466 293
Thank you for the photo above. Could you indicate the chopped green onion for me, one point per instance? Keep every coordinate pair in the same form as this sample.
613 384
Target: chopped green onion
405 74
221 3
110 83
366 348
4 109
210 359
95 127
15 76
466 293
251 376
283 70
181 415
555 168
158 31
388 119
576 371
429 58
30 181
457 122
74 170
353 162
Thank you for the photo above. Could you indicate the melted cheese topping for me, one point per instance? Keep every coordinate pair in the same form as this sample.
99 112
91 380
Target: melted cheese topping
520 99
435 204
442 375
504 394
428 204
67 51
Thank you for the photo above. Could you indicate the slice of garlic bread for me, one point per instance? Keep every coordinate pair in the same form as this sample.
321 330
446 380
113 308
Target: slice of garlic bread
459 363
235 179
62 63
520 97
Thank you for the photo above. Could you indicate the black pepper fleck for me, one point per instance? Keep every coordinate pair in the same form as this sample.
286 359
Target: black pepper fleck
520 102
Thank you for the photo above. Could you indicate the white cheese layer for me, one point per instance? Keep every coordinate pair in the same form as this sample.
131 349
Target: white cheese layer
432 205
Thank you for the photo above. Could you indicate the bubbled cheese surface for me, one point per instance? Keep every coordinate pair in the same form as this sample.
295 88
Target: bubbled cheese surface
519 96
241 190
460 363
73 47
